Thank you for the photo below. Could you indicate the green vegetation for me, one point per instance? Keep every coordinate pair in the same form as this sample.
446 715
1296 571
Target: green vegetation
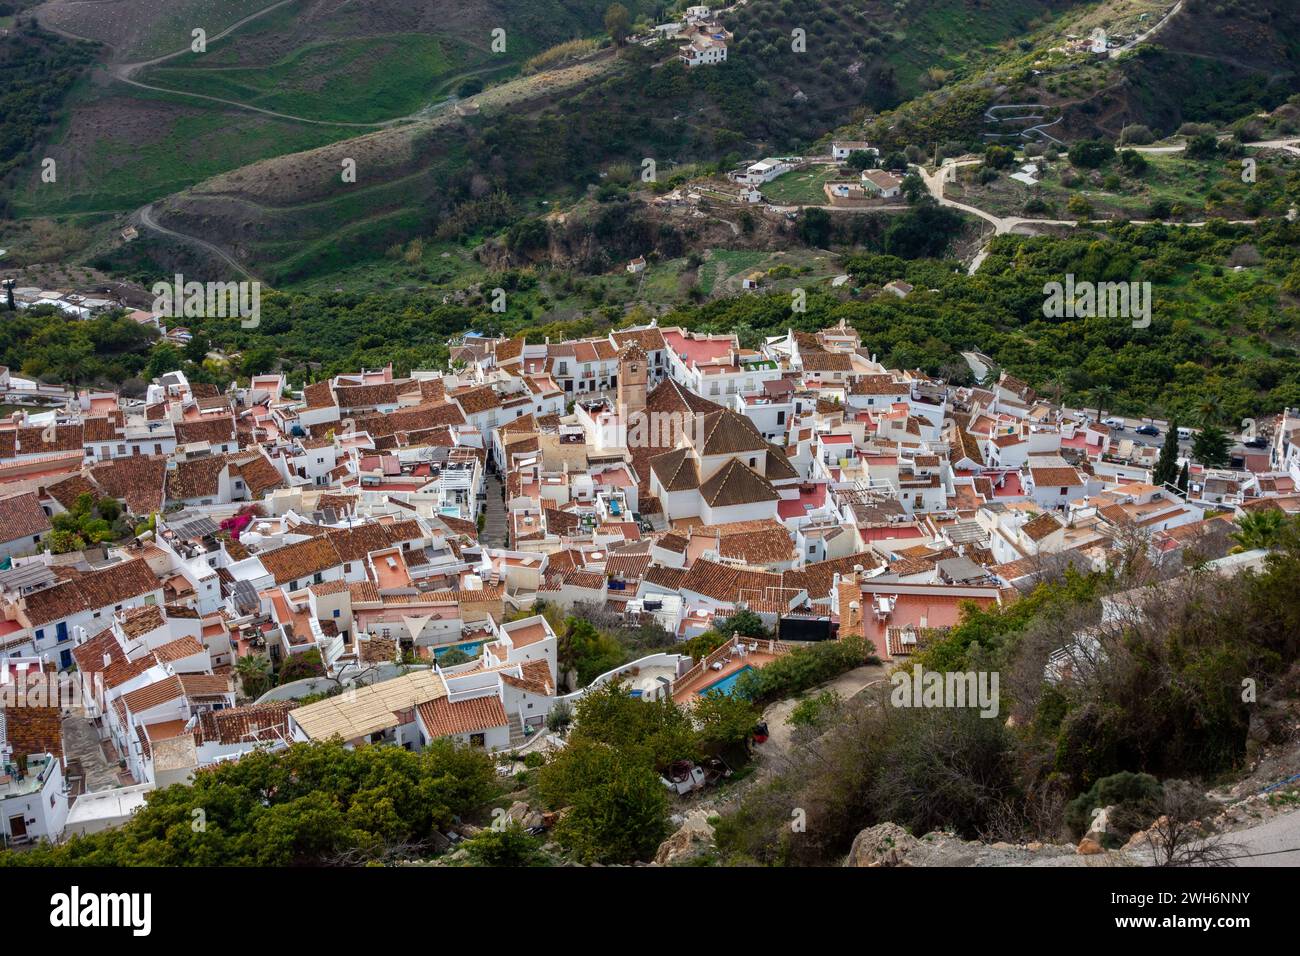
313 804
1156 702
361 80
607 778
805 667
37 70
88 522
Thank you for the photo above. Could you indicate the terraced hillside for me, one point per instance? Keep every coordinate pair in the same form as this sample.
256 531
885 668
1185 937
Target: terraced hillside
276 77
292 220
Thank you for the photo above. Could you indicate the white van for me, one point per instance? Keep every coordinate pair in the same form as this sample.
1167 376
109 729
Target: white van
1184 434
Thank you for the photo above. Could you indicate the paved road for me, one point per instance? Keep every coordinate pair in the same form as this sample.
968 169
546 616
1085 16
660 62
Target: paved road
1142 37
1274 843
777 715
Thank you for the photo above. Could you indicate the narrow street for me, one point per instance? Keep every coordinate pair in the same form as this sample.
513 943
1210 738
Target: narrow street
494 522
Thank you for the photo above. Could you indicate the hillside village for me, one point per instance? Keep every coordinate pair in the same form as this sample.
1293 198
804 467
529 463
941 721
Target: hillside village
396 539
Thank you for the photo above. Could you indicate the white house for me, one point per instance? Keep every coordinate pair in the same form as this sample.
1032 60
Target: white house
882 183
703 50
844 149
763 171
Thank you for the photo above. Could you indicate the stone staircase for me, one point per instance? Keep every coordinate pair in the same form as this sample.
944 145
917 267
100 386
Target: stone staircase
516 726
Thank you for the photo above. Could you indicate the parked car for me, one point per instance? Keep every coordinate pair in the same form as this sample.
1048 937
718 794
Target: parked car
1115 423
1148 430
1256 443
1184 434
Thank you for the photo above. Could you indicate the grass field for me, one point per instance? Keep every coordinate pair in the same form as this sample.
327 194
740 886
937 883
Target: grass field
357 81
801 187
141 29
121 152
1194 189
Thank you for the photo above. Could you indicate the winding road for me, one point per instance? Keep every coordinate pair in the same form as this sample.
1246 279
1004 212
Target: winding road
147 220
1005 224
126 72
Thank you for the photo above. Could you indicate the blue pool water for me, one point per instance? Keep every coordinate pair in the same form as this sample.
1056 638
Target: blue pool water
471 649
727 684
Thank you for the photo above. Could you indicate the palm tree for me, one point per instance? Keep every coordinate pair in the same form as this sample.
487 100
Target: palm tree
1260 529
1056 387
1101 396
1209 409
254 672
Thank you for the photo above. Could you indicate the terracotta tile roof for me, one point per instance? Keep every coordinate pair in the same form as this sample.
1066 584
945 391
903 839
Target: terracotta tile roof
735 483
260 476
31 440
670 541
204 685
196 478
826 361
100 429
216 430
562 522
770 545
628 567
723 582
66 490
728 432
366 396
353 544
151 695
319 395
1040 527
818 578
301 560
677 470
236 725
178 649
91 591
442 718
138 621
1049 477
21 516
34 730
475 400
137 480
670 578
778 466
650 340
536 679
878 385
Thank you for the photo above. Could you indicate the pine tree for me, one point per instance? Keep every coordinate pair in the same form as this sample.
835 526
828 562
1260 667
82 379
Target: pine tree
1183 479
1166 471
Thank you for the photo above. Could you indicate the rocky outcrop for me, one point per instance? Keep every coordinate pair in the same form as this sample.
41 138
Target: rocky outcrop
693 837
886 844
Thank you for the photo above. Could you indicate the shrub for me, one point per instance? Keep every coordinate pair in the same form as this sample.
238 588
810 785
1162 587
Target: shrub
803 668
1091 153
1135 797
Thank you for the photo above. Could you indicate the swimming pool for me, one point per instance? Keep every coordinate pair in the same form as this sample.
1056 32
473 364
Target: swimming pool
728 684
472 649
